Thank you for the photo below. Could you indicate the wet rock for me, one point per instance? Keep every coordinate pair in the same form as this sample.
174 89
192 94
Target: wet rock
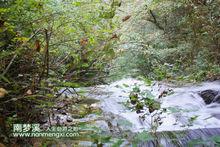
69 119
58 119
138 111
43 121
216 99
76 116
61 105
208 95
103 126
94 106
88 101
151 109
83 143
166 92
61 111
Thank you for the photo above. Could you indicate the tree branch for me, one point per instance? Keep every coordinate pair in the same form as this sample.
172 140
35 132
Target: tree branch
155 20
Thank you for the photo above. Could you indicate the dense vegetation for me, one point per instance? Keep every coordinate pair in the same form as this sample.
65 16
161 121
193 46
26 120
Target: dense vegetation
171 39
49 44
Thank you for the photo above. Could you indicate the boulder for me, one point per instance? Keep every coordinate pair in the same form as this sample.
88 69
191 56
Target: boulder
217 99
208 95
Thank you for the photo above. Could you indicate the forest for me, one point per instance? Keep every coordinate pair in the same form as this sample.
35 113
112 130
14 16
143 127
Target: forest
109 73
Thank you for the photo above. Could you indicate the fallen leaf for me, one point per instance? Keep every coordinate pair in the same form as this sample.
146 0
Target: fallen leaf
29 92
126 18
3 92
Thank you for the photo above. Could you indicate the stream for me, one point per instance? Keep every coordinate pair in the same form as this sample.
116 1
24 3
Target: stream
188 115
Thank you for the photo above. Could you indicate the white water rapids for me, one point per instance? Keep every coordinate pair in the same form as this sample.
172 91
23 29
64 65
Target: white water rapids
185 108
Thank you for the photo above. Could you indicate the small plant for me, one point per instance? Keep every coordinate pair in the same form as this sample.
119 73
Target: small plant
152 105
192 119
139 106
133 98
141 99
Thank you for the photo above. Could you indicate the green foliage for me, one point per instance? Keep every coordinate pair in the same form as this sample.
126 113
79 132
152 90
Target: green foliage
133 98
141 99
152 104
171 40
216 139
147 81
206 142
118 143
136 89
46 45
142 137
196 27
70 84
192 119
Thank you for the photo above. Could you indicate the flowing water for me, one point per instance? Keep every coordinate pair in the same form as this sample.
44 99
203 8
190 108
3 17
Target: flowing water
183 117
184 104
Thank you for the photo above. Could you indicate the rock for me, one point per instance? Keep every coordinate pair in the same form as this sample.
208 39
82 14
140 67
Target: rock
133 102
76 116
208 95
94 106
43 121
216 99
103 126
83 143
61 111
69 119
138 111
151 109
88 101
